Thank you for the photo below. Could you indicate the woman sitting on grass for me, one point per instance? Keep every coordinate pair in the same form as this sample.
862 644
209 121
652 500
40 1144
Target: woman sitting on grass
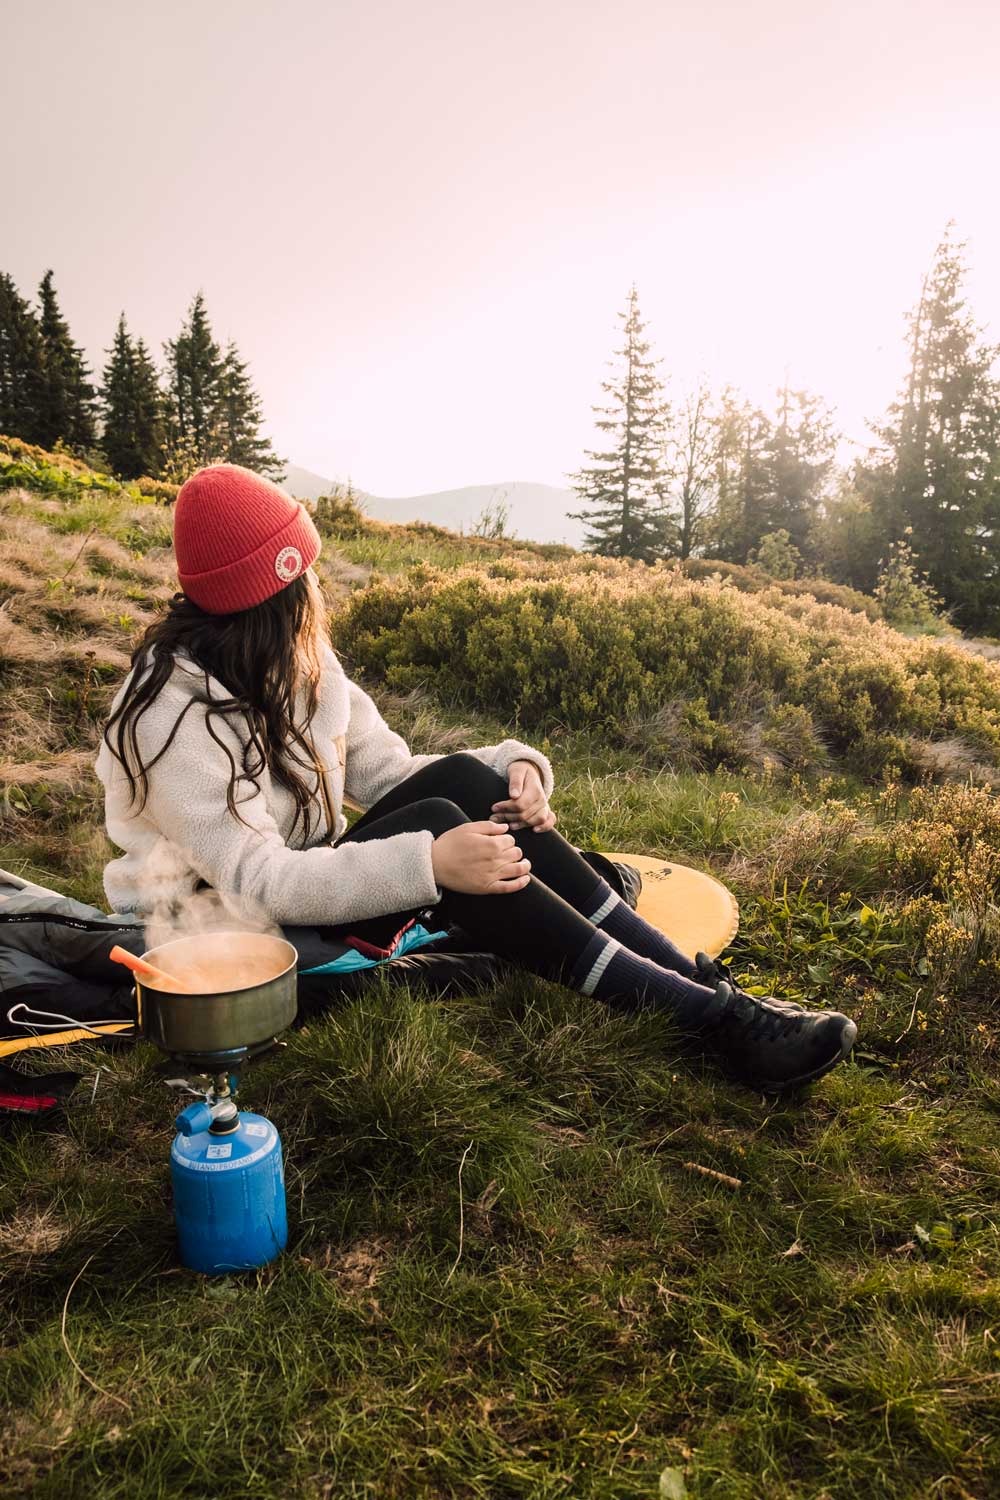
236 736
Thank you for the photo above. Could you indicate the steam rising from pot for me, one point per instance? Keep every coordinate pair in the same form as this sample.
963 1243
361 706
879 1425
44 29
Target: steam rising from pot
176 912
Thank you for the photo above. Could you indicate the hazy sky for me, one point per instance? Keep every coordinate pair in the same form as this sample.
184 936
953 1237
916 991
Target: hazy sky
418 218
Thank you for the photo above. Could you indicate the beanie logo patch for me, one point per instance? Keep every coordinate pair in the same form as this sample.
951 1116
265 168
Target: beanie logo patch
288 564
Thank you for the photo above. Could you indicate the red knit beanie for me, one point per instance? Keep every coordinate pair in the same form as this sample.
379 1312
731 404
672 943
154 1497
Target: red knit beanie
238 539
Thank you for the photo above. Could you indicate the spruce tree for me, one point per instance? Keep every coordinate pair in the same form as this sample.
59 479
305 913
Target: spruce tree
755 492
937 469
22 369
743 481
845 539
67 411
621 490
240 419
213 412
133 408
769 475
194 371
800 454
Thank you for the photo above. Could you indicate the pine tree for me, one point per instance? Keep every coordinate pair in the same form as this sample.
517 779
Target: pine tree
22 370
133 408
800 459
622 490
845 538
937 469
213 412
240 419
769 475
194 417
743 481
67 412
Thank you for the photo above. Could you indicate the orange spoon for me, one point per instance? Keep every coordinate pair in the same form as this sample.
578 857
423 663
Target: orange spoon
143 969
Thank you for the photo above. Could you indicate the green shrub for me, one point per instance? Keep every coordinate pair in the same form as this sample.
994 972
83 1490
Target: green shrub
751 580
15 449
338 515
49 479
59 474
154 489
789 734
908 601
599 643
778 555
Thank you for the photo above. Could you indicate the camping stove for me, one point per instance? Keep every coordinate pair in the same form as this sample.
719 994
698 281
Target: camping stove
225 1163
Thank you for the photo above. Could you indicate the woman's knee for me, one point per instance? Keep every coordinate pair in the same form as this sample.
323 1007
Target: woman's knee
438 814
465 770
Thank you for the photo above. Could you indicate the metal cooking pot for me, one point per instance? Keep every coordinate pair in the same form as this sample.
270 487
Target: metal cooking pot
220 1021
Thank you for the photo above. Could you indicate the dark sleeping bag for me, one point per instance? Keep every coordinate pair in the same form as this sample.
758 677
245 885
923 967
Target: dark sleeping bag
54 959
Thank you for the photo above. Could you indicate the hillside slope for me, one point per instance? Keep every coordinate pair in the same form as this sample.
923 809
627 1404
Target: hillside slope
85 563
538 1248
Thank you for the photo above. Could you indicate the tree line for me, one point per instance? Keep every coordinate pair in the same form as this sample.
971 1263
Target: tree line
716 476
199 408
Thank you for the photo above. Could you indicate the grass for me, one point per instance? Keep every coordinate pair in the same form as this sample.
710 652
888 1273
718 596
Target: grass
506 1277
574 1313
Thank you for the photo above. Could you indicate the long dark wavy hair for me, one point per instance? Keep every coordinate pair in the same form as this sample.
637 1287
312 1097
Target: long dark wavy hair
262 657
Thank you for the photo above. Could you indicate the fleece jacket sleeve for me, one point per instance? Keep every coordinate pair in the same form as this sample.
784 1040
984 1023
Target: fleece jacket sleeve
249 860
378 759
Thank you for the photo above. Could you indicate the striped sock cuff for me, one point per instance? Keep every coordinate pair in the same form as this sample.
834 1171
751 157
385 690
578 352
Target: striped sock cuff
592 978
605 909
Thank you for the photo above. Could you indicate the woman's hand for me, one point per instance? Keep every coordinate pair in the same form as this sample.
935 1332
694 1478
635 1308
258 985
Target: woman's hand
527 805
480 859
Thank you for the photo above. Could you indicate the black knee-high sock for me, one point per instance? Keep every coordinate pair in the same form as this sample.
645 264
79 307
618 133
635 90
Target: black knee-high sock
615 917
612 973
540 931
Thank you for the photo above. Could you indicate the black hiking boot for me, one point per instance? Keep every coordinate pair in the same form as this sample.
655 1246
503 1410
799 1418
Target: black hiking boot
711 970
771 1045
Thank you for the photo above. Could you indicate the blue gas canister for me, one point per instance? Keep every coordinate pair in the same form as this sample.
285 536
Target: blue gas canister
229 1191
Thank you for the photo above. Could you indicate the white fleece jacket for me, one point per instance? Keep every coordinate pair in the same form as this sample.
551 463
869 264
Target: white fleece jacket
185 833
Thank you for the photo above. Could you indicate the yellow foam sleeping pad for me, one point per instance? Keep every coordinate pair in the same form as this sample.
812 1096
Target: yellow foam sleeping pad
692 909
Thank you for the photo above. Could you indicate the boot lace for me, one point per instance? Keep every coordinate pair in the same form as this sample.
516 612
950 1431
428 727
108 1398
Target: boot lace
762 1017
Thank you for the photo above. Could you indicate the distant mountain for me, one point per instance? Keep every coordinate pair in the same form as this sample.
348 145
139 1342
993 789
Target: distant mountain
304 484
535 512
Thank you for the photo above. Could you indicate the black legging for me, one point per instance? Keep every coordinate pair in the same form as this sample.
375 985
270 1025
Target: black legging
538 927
